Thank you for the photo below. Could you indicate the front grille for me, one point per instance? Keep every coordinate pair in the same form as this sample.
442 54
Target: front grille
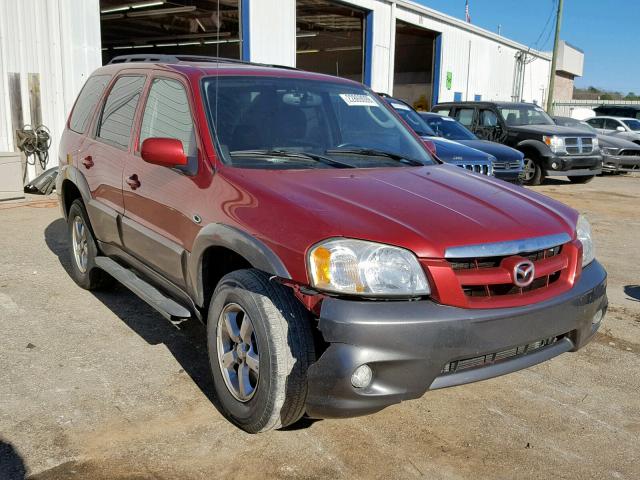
515 165
492 262
629 153
578 145
484 169
496 357
486 285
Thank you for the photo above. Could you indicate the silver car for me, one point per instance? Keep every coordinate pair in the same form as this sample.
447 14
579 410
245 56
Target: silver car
625 128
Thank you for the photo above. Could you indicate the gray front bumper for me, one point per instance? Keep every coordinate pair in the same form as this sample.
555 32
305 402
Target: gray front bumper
407 344
621 163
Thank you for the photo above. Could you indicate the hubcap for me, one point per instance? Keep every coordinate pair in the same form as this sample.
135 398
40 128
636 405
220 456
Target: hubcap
238 354
529 169
80 244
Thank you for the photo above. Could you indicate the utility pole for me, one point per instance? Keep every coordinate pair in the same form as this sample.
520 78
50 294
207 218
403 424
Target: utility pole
552 77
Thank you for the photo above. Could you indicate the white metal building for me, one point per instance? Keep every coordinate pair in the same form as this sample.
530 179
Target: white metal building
49 47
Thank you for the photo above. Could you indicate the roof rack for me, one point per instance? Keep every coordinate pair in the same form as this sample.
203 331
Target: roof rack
162 58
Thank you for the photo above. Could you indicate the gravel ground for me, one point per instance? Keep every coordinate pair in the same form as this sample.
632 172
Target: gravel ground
99 386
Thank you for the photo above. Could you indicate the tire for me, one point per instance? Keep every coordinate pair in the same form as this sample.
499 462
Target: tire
581 179
84 273
532 174
281 346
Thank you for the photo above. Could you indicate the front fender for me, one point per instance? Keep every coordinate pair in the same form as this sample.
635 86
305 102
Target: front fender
542 148
258 254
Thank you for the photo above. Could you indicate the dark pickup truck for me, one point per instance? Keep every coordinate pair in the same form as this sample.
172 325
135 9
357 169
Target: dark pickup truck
549 149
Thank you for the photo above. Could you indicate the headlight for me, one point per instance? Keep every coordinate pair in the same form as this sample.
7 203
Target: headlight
583 232
555 143
357 267
595 142
609 151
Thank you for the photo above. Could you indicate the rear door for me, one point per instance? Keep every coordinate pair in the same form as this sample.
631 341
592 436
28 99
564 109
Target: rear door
162 204
103 156
597 123
489 126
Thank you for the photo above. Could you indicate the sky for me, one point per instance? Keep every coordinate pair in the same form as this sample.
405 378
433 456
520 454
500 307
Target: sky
606 30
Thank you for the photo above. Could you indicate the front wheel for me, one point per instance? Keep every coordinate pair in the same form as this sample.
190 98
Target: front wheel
260 347
532 173
581 179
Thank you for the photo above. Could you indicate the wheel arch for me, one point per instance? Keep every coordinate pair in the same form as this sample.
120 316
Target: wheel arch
72 185
220 249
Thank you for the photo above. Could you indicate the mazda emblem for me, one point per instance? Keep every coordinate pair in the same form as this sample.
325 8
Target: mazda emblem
523 273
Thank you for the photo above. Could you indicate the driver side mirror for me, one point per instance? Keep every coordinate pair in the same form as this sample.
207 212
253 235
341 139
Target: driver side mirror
166 152
620 128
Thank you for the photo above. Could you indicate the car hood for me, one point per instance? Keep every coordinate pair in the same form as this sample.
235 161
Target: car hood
501 152
425 209
550 130
454 152
616 142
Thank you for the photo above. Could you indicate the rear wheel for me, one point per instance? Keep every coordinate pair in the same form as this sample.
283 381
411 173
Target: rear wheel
581 179
260 347
532 173
84 250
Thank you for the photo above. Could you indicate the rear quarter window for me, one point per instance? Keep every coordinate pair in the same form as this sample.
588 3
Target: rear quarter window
87 102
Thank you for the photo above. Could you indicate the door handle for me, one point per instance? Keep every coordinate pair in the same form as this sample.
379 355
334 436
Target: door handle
133 181
87 162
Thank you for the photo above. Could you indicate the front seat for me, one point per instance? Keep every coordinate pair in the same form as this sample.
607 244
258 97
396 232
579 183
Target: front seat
290 129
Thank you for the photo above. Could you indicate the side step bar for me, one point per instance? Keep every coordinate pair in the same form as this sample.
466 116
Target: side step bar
168 308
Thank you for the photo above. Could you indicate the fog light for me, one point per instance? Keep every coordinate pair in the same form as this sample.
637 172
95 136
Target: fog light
554 165
597 318
362 376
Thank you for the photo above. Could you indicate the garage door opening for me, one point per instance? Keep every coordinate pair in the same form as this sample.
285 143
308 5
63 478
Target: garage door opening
414 65
183 27
330 38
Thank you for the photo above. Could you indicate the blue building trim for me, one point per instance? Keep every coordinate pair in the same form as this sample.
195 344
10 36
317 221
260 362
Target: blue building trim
245 29
368 48
436 69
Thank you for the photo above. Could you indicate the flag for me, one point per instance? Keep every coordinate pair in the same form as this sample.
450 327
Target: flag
467 17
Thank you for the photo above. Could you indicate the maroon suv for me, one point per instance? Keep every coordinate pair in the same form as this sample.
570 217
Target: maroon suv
338 266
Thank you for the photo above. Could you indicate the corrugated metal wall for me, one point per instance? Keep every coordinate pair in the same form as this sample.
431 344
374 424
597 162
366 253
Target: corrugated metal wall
60 41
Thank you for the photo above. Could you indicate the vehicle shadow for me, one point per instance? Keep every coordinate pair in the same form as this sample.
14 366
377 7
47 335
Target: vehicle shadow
187 343
633 291
11 464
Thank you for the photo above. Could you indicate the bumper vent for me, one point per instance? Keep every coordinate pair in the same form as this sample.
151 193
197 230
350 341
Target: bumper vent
492 358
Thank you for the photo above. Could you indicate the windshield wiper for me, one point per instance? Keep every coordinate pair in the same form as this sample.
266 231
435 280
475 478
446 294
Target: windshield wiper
372 152
282 153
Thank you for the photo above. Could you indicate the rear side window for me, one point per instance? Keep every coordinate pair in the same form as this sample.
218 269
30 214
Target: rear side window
465 116
119 109
167 114
596 122
86 103
488 118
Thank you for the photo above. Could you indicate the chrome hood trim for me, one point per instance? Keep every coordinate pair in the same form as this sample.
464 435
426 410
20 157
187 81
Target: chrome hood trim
512 247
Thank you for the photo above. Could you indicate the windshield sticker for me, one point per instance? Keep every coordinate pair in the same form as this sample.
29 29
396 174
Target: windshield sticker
400 106
358 100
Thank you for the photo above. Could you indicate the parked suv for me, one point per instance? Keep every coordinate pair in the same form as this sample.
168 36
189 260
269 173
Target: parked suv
629 111
549 150
339 269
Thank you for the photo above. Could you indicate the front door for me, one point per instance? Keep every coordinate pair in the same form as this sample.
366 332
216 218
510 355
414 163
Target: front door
162 204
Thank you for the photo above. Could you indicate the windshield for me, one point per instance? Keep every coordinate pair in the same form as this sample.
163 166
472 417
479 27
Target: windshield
291 123
413 119
632 124
515 115
448 128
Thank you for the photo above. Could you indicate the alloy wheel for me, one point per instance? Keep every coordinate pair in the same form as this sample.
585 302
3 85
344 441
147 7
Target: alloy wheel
80 244
238 354
529 169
